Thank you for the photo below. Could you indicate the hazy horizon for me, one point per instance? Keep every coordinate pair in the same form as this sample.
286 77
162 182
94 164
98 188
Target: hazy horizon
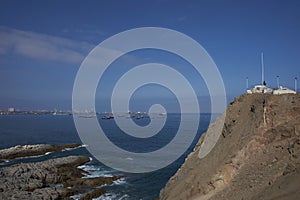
42 45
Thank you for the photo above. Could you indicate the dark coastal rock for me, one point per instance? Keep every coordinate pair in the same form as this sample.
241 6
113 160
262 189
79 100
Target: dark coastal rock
93 194
34 180
91 182
57 178
32 150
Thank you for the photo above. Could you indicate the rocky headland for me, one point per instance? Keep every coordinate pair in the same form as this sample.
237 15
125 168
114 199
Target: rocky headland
257 155
58 178
32 150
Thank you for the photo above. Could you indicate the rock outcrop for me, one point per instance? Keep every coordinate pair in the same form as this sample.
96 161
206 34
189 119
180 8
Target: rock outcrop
32 150
57 178
257 155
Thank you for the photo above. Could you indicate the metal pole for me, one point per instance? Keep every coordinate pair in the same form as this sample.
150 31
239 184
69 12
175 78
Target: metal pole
262 68
247 83
296 84
277 80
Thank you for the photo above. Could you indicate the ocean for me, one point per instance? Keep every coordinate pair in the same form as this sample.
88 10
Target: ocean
60 129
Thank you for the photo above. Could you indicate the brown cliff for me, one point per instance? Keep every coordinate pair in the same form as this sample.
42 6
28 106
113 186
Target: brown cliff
257 155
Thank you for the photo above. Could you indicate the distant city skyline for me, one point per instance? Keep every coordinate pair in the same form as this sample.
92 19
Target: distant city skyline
42 44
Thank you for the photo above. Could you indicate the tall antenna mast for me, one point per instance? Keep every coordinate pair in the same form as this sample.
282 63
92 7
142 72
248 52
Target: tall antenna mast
277 81
296 84
262 68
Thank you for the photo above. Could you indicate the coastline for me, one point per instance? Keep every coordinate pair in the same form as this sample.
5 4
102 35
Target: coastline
57 178
33 150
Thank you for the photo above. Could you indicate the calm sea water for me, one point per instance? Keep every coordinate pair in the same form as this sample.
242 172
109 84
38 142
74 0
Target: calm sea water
60 129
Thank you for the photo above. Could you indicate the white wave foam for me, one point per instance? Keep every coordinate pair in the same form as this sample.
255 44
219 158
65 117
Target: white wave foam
120 181
112 196
106 196
95 175
96 171
76 196
4 162
90 167
69 149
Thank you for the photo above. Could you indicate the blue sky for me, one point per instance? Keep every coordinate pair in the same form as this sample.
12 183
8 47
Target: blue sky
42 44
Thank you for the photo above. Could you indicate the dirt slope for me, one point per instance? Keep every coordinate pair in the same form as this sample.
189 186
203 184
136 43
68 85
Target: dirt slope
256 157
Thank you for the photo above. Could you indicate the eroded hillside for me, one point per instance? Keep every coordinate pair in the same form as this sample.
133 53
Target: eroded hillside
256 157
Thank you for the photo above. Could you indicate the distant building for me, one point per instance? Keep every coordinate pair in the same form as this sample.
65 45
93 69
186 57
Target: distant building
266 90
11 109
284 90
260 89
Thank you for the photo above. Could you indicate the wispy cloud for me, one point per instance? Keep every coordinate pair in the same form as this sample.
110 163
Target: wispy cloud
41 46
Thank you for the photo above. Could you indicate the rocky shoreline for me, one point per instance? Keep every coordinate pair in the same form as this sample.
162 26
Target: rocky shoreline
32 150
58 178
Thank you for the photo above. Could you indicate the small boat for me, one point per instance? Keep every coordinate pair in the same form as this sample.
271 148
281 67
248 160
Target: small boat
140 117
107 117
